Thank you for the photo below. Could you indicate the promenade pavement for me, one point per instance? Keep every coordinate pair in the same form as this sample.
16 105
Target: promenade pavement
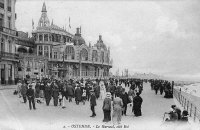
19 117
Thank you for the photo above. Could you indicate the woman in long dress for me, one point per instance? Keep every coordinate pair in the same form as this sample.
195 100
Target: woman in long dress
102 90
117 110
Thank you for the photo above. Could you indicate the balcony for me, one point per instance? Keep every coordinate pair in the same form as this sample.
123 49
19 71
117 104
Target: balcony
8 31
9 56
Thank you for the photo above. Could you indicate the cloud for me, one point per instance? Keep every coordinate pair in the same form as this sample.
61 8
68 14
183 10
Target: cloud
164 24
161 37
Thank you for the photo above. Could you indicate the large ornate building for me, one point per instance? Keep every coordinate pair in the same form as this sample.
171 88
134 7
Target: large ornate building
68 55
52 51
17 50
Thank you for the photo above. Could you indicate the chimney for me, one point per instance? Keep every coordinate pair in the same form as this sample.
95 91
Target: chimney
100 38
78 32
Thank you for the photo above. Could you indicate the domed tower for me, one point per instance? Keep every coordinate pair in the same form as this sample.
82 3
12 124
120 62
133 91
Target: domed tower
44 21
100 43
77 39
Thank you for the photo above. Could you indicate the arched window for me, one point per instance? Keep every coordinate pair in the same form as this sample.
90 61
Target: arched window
94 55
46 51
84 54
40 37
69 52
107 58
45 37
2 45
10 46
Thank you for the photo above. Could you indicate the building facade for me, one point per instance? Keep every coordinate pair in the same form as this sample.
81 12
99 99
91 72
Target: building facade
8 38
18 57
68 55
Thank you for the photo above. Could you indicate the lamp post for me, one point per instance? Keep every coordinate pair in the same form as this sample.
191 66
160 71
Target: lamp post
80 68
63 60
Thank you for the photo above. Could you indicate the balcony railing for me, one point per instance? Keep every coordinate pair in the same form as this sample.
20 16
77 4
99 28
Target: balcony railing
8 31
7 55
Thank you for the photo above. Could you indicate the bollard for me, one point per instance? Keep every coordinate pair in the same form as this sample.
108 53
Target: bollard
195 113
191 110
185 103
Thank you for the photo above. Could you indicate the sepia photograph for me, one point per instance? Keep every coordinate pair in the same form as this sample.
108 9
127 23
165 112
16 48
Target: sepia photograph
99 64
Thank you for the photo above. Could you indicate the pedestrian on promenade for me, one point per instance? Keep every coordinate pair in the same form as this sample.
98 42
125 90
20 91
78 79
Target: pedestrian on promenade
30 94
19 87
48 93
126 100
55 93
97 90
78 95
156 87
24 91
117 110
107 107
88 88
131 94
37 92
70 91
84 96
137 103
93 103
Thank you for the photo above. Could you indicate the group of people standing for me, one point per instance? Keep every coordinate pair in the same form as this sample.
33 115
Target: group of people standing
115 96
162 86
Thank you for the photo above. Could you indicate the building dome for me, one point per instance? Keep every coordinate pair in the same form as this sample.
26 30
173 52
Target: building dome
77 39
100 44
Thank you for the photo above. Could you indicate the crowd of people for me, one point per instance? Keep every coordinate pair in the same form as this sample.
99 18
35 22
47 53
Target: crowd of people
114 94
162 86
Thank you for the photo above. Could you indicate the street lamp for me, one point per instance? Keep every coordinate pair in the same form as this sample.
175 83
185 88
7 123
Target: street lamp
63 51
80 68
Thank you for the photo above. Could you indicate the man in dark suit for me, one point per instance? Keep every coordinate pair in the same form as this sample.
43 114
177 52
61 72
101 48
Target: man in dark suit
93 103
30 94
126 100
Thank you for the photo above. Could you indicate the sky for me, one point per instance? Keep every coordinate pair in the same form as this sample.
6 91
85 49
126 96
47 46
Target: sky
161 37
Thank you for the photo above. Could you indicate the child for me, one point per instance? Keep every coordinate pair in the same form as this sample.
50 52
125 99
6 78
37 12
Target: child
60 98
84 96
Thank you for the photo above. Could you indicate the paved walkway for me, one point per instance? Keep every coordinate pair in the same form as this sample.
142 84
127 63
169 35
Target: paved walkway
51 118
2 87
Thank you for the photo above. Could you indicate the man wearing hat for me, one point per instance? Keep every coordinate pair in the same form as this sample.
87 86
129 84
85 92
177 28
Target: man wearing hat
93 103
30 94
107 107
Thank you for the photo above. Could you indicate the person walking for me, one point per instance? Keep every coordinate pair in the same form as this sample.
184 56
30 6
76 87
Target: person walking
117 110
93 103
24 91
55 93
48 93
30 94
126 100
70 91
78 95
107 107
88 88
137 103
19 87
